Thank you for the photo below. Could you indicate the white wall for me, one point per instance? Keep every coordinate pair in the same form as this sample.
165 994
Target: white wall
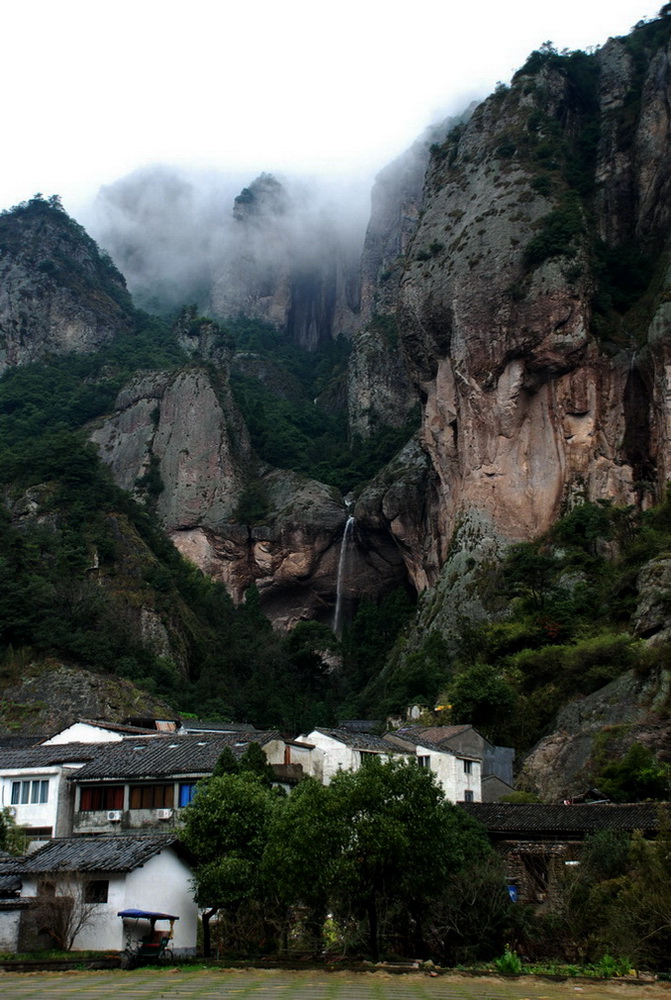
330 756
452 775
37 813
274 751
83 732
162 884
10 922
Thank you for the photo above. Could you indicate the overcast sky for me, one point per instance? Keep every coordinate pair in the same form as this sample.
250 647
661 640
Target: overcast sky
96 90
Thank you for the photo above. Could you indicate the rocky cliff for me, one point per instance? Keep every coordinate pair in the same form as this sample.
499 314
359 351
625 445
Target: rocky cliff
379 390
177 440
288 263
533 311
58 292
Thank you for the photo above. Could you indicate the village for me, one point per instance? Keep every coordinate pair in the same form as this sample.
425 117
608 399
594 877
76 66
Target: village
100 806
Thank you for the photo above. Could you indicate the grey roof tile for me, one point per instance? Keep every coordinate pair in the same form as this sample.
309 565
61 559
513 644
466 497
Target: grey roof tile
199 726
515 818
360 741
167 756
91 854
41 756
415 739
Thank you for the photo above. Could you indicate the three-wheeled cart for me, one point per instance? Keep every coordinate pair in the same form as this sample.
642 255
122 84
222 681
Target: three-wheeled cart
145 942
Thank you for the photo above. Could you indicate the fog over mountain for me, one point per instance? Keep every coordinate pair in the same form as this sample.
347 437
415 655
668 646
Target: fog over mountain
193 236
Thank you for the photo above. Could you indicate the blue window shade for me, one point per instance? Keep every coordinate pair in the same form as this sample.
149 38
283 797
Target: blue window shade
186 794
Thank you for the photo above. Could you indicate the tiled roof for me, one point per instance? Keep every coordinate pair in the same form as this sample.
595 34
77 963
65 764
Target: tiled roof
436 734
361 725
9 885
518 818
167 756
46 756
414 739
197 726
91 854
358 741
113 727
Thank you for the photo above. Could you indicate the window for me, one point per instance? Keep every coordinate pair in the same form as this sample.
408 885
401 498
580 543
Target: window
468 766
96 798
34 833
424 761
96 891
152 796
186 793
33 792
468 795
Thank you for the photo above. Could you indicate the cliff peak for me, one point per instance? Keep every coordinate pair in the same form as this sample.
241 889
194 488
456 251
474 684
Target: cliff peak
59 292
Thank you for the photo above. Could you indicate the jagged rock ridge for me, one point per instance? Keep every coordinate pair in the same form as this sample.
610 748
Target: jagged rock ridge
58 292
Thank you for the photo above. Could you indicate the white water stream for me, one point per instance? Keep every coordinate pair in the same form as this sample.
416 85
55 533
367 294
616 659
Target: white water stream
345 547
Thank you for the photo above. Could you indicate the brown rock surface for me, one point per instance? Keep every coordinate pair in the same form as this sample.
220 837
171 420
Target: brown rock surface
525 409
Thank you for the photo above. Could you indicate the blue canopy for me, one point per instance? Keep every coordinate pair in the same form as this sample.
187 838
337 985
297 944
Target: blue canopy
148 914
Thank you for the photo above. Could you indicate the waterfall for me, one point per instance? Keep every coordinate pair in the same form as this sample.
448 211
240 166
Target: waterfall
342 575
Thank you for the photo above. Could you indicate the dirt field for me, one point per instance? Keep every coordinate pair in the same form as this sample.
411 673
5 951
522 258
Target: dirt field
179 984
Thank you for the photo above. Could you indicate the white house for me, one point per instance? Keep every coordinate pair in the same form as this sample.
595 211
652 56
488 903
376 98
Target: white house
145 782
459 775
327 751
113 784
465 742
109 875
333 750
34 786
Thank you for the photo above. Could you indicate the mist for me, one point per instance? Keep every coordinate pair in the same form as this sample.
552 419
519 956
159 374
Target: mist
180 236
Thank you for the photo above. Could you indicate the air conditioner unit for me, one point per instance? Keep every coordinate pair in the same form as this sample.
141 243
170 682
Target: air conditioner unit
114 816
163 813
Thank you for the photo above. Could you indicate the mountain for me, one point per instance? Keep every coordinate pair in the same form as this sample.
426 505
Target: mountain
58 292
532 312
495 401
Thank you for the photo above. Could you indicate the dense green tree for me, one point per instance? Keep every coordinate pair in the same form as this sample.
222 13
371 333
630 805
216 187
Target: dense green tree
400 839
226 764
12 837
226 826
635 777
254 761
481 696
300 861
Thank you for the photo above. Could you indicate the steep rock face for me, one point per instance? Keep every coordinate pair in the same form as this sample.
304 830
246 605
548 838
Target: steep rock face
289 265
524 407
379 390
173 427
49 697
294 557
651 619
598 729
58 293
399 505
176 438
